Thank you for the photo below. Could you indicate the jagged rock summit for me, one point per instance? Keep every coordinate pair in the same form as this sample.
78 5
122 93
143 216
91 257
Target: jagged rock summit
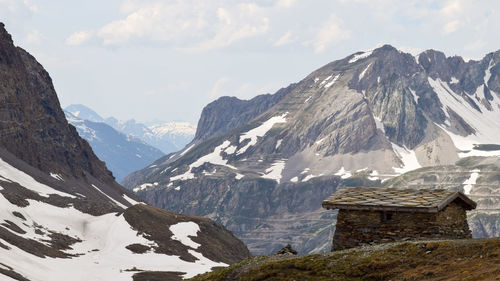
261 167
63 216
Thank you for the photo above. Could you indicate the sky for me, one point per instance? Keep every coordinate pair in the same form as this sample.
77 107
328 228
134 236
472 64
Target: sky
165 60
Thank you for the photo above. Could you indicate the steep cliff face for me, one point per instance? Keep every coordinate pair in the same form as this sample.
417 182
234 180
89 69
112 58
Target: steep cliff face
228 113
62 215
364 119
33 126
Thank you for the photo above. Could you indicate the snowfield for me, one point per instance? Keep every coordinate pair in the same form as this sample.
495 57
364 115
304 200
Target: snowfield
485 122
101 252
260 131
12 174
215 158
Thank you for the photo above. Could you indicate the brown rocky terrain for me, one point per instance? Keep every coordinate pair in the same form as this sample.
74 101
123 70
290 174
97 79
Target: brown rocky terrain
470 259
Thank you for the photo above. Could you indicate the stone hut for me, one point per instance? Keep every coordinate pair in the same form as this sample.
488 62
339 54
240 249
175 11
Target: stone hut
376 215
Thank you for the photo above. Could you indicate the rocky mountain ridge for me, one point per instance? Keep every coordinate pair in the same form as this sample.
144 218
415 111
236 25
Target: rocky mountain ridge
364 119
62 214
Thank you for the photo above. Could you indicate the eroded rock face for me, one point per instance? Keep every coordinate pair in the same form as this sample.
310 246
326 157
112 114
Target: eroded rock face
228 113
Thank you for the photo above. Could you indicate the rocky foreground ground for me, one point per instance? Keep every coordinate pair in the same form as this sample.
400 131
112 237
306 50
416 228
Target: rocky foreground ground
470 259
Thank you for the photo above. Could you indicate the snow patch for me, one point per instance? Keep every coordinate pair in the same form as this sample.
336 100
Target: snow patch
320 141
56 176
142 187
408 157
415 97
308 177
379 124
471 181
214 158
230 150
294 179
130 200
454 80
487 73
308 99
486 123
14 175
260 131
239 176
329 84
373 176
110 198
278 143
186 150
274 172
181 232
343 173
363 72
357 57
325 80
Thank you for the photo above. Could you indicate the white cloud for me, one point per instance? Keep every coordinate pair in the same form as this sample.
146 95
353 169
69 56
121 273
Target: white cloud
237 23
32 7
287 38
451 27
216 90
286 3
34 37
330 33
189 25
158 21
79 38
452 8
451 13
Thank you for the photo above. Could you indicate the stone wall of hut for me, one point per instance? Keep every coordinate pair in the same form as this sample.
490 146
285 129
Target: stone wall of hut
357 228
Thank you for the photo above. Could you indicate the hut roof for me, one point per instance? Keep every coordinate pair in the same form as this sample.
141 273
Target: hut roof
392 199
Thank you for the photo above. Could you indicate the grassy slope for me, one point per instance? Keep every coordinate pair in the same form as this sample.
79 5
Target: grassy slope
472 259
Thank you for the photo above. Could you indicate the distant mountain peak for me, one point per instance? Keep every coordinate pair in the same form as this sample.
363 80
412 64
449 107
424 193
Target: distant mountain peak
83 112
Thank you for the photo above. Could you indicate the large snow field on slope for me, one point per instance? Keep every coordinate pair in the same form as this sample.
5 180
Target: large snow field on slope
103 255
486 123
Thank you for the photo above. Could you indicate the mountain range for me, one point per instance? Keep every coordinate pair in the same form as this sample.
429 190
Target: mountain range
122 153
165 136
262 167
62 214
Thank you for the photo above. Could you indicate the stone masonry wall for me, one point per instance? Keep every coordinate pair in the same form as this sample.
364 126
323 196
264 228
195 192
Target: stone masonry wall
356 228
